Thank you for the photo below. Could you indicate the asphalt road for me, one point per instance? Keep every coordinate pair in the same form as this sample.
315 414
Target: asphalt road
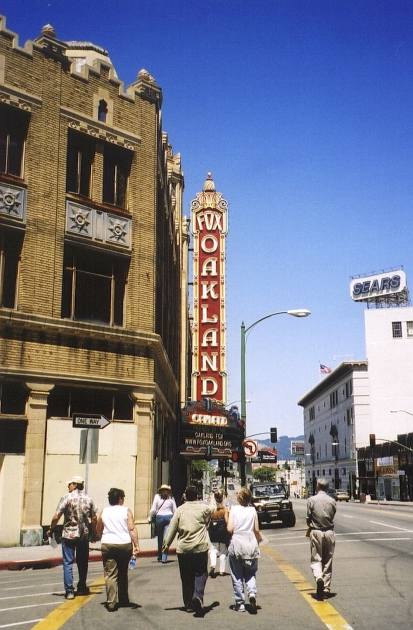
372 578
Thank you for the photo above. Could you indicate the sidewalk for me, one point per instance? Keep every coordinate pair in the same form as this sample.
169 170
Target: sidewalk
44 557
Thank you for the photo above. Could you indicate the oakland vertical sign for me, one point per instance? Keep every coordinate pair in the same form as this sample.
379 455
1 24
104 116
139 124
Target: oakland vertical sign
209 228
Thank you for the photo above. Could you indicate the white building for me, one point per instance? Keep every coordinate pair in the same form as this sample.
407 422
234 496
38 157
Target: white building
389 349
335 410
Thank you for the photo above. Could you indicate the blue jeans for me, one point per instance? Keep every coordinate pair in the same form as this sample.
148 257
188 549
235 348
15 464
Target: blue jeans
70 548
243 572
162 523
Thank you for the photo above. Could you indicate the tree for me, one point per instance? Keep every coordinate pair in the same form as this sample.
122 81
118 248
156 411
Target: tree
264 473
198 467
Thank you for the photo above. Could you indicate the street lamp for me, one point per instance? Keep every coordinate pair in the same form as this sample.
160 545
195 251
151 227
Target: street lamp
298 312
336 477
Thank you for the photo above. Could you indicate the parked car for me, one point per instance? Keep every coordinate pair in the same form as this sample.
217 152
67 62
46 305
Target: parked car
342 495
332 493
272 503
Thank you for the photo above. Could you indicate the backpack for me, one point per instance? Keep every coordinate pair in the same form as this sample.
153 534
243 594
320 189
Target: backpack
218 531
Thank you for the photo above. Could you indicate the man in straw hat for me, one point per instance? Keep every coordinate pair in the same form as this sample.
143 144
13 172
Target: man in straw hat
162 510
79 521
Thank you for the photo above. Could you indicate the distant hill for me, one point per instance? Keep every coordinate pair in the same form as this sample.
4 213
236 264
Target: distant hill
283 445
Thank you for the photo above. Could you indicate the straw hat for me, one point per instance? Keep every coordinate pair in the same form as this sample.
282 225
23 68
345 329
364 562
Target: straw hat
165 486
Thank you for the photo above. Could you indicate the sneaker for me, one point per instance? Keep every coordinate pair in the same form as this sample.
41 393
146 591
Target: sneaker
320 588
253 604
197 606
111 607
70 595
212 573
239 607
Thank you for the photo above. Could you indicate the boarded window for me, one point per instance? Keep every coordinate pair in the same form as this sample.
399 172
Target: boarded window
13 131
10 248
93 286
116 169
80 154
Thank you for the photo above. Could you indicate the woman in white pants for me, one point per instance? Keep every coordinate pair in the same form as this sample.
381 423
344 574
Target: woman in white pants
244 551
218 535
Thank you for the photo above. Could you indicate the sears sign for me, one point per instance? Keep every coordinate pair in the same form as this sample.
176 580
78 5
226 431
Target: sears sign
377 286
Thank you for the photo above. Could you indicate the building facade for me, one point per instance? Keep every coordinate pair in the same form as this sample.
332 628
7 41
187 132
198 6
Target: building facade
93 272
335 411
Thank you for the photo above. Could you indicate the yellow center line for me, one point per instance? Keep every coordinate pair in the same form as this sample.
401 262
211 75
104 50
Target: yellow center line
65 611
323 609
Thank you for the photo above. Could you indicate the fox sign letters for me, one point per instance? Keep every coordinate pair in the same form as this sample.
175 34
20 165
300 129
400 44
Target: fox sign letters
209 227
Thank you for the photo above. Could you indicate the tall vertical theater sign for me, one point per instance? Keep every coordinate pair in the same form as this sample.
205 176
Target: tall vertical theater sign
209 430
209 228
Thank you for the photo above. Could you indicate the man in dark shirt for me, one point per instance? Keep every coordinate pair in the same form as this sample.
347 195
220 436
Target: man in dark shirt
321 510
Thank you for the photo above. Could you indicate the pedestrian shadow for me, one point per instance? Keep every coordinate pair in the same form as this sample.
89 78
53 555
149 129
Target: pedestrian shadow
205 609
323 597
132 605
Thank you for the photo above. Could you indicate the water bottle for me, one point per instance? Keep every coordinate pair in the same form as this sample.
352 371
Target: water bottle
132 563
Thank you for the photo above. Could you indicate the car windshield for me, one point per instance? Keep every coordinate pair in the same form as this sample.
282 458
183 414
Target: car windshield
268 491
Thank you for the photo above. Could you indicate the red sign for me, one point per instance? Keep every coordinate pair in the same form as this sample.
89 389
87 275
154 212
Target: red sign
209 227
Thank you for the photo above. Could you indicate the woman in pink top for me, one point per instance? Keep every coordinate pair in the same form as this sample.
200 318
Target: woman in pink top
163 508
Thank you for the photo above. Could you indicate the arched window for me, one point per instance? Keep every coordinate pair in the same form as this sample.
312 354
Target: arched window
102 111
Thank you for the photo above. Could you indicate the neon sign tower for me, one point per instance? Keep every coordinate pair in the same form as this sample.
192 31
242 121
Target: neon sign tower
209 228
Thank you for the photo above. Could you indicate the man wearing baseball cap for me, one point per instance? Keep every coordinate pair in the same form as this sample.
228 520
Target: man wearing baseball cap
79 522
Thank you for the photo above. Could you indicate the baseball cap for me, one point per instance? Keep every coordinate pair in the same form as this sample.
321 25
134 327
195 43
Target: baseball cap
75 479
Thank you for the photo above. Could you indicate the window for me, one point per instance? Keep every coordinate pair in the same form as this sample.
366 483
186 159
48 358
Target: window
13 397
13 131
13 436
350 416
311 413
80 153
64 401
334 399
10 248
93 287
102 111
397 329
409 326
116 168
349 389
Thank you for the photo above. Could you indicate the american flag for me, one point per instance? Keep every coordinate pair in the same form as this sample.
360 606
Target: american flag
324 369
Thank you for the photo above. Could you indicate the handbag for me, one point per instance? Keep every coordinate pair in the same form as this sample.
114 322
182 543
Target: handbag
153 526
153 520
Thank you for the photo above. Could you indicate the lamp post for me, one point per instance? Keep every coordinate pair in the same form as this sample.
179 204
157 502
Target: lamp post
336 484
244 330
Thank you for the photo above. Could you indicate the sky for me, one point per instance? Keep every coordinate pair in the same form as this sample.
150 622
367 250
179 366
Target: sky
303 112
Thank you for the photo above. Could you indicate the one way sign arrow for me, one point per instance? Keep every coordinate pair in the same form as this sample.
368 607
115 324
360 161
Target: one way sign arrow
89 421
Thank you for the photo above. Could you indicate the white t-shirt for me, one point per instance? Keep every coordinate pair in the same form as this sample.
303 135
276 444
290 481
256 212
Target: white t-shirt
115 521
243 518
163 507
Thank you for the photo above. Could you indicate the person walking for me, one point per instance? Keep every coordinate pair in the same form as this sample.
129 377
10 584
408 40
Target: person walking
244 551
79 523
162 510
321 510
119 542
218 535
191 521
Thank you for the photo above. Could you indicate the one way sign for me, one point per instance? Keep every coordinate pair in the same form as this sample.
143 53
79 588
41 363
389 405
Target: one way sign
89 421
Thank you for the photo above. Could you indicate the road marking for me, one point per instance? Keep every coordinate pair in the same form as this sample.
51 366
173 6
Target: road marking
346 516
323 609
403 529
58 617
372 539
28 606
31 595
17 588
19 623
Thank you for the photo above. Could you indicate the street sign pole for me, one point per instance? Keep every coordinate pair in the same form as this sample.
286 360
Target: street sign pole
88 439
90 424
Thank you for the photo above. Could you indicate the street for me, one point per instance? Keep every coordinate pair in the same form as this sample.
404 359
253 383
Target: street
372 580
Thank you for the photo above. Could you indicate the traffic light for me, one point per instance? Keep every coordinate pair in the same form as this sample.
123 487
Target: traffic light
274 438
372 440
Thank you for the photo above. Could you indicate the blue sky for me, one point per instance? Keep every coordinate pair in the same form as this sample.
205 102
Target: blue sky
303 111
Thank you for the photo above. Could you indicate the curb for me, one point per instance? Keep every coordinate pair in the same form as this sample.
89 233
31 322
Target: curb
48 563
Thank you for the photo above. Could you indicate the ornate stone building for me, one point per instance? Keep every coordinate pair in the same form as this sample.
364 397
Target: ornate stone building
93 273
